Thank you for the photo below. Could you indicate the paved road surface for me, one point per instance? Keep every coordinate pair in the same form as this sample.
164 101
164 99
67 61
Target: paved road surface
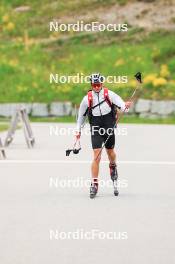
44 200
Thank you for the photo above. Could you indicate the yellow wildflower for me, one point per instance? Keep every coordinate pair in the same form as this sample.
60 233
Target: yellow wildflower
149 78
10 26
119 62
13 63
159 82
132 83
164 71
5 18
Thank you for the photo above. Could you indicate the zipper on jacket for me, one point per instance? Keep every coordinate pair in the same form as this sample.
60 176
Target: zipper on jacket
99 105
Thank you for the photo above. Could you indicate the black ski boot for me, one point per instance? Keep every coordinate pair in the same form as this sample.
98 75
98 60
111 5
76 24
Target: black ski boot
114 177
93 190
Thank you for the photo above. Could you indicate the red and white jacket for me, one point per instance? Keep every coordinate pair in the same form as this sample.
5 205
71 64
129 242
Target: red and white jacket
102 109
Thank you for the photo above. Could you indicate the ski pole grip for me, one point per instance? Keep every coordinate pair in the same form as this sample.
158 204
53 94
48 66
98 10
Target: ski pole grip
138 77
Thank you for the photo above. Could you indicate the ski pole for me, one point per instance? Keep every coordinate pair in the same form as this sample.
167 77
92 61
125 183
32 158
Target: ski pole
74 149
138 77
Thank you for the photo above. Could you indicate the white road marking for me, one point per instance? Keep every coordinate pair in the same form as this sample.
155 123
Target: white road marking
134 162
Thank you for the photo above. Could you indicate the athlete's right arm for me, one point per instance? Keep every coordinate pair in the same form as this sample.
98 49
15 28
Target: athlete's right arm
81 112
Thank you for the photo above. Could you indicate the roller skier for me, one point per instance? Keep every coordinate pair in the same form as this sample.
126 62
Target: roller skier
100 105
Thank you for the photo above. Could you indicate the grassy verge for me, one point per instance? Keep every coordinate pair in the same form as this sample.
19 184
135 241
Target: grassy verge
64 119
25 72
36 20
137 120
126 119
3 127
26 61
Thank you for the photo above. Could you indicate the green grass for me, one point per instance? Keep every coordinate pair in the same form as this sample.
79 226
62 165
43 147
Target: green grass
3 127
64 119
137 120
25 73
25 68
36 20
126 119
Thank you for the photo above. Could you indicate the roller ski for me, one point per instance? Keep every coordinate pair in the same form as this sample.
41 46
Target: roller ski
93 189
114 177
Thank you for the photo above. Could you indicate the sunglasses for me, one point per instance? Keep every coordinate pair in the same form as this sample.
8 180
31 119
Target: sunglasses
94 85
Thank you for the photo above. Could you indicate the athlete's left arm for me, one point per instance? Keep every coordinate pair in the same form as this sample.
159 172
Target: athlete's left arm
117 100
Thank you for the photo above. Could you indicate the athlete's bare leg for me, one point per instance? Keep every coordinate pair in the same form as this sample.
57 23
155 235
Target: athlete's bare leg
111 155
95 164
113 169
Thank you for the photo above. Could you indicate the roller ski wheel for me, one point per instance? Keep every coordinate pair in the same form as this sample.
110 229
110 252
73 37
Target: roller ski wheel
114 177
116 192
93 191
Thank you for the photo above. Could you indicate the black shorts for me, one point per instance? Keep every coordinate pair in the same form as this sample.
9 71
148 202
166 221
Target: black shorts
101 128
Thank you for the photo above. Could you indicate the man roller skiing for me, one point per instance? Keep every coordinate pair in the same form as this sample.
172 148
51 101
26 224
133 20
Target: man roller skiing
100 105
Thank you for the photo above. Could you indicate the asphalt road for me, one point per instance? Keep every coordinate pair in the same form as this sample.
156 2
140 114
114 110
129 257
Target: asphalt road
46 215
